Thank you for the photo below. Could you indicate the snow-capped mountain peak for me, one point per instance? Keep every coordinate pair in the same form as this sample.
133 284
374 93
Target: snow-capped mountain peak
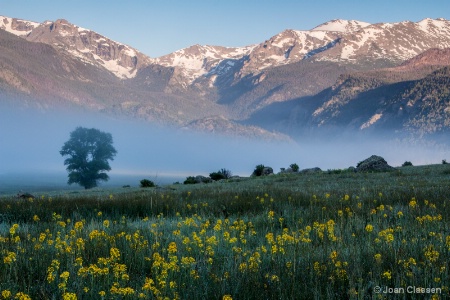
198 60
121 60
392 42
86 45
336 40
348 41
287 47
339 25
439 26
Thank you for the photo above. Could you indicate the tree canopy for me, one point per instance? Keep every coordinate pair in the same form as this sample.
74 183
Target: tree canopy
88 151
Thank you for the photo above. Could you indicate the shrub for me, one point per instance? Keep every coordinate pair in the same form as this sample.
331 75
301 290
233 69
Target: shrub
190 180
197 179
294 167
221 174
145 183
216 176
258 170
226 173
262 170
407 163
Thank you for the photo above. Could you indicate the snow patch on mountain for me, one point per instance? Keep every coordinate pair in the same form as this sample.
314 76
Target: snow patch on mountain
86 45
288 47
223 67
371 121
393 42
199 60
339 25
116 68
16 26
431 25
321 49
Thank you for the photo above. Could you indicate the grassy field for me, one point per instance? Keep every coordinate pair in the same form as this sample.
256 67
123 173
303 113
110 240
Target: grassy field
330 235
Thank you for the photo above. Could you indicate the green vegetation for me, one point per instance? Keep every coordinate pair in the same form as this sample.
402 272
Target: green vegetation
190 180
197 179
145 183
214 176
407 164
324 235
262 170
258 170
221 174
295 168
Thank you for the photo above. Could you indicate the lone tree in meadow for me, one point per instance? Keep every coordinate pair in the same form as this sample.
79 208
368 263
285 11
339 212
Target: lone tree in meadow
88 152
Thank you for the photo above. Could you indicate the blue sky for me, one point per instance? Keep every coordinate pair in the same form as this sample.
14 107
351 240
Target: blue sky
158 27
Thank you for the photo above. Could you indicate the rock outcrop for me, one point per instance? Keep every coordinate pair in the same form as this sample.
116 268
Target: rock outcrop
267 171
311 170
373 164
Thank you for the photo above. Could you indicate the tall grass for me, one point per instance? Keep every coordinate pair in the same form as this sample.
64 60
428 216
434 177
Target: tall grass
335 235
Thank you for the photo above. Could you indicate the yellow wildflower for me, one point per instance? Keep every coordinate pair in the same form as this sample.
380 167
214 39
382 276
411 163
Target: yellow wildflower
6 294
9 258
106 223
431 254
114 254
377 257
333 255
22 296
172 247
369 228
387 275
13 229
70 296
78 225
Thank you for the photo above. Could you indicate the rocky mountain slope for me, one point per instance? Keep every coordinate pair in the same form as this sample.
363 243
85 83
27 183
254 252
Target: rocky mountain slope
39 76
391 42
86 45
340 73
410 98
227 127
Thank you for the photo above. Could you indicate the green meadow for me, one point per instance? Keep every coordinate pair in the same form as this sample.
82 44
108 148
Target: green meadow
329 235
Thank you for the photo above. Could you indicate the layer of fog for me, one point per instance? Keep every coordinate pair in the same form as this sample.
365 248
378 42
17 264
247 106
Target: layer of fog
30 144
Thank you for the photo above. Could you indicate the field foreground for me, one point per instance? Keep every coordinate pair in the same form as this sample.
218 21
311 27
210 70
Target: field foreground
331 235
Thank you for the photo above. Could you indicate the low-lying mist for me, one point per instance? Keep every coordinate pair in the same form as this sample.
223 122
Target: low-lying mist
30 143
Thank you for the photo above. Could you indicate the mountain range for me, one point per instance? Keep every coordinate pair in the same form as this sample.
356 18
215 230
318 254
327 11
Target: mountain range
343 75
